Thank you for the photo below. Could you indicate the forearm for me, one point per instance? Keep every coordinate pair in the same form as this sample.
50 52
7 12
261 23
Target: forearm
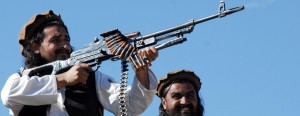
137 96
143 77
140 97
60 81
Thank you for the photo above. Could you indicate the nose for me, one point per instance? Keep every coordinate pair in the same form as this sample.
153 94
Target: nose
65 45
183 100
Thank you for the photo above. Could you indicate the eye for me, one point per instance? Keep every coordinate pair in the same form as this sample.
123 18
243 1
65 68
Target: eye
55 40
176 96
67 38
190 96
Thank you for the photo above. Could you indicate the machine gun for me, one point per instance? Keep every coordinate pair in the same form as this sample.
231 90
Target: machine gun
125 48
98 51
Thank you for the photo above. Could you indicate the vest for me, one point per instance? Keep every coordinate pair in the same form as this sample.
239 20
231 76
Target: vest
80 100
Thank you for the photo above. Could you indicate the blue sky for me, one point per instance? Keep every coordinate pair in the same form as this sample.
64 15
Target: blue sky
248 62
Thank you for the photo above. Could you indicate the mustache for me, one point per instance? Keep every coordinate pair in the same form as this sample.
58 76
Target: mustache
180 107
62 50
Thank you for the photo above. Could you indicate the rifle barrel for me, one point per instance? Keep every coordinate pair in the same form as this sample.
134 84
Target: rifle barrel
191 23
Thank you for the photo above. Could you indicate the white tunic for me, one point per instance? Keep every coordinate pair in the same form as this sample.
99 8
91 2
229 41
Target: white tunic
19 91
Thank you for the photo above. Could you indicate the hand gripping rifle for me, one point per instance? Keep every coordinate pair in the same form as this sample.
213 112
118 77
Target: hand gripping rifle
125 48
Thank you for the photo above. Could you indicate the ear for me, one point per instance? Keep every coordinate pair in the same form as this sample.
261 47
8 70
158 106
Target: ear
164 103
35 48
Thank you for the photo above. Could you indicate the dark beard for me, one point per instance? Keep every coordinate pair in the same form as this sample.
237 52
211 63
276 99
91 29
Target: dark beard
37 61
60 56
178 112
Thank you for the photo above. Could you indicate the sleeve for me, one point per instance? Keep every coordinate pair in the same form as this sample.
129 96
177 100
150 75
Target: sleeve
138 98
23 90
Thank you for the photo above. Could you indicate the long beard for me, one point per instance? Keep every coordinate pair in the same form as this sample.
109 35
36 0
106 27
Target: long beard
59 55
178 111
42 60
62 54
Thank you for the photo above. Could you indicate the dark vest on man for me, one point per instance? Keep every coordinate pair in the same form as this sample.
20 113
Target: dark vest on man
80 100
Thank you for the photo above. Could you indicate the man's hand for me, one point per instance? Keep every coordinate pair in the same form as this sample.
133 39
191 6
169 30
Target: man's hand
141 62
77 74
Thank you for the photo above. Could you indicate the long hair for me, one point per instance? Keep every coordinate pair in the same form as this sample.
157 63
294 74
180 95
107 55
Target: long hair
200 108
32 59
